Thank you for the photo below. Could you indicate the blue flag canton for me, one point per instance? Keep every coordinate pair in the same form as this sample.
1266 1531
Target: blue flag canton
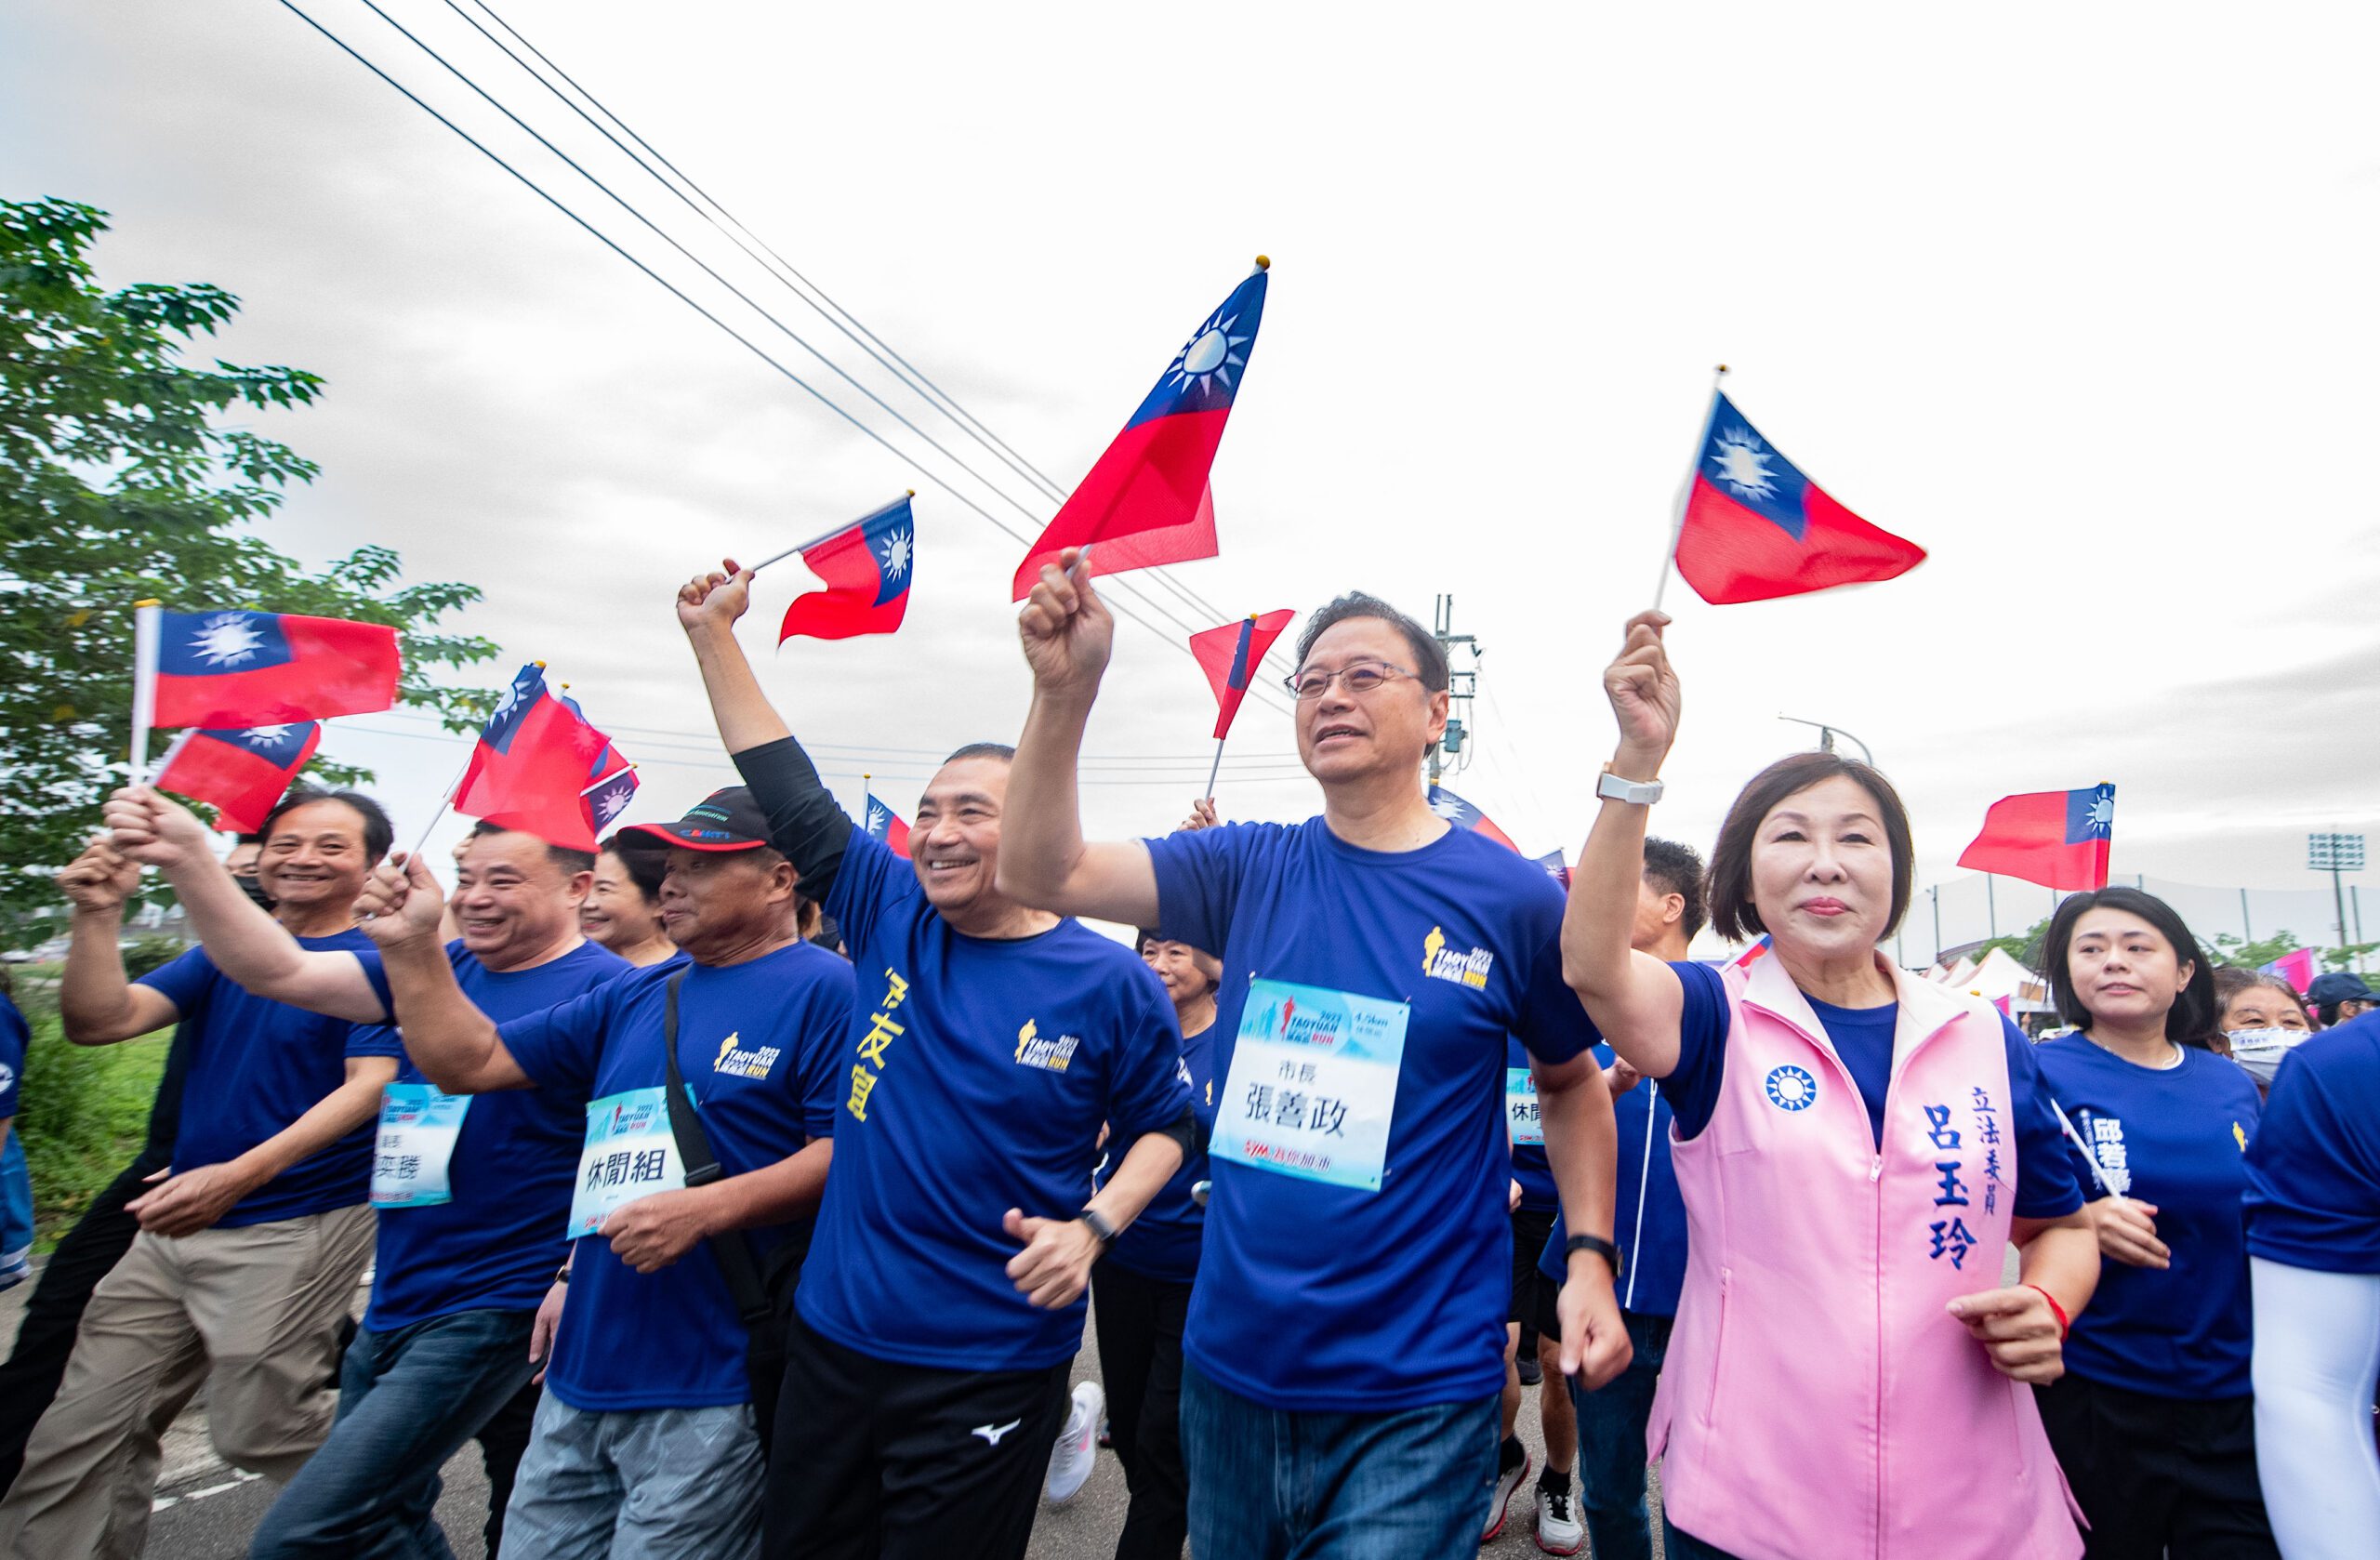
2090 814
280 746
611 799
1745 466
1205 375
1452 808
512 707
890 536
1236 678
879 819
214 643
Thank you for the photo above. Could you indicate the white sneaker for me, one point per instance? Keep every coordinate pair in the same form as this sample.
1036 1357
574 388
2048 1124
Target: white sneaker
1078 1449
1558 1529
1507 1484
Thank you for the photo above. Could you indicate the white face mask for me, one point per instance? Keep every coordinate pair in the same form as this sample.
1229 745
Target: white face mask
2260 1051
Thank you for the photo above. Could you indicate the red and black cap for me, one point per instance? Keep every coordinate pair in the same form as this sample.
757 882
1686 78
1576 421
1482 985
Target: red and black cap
725 820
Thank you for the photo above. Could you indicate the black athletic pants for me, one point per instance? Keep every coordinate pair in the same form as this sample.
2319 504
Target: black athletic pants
1140 1322
89 1253
502 1440
874 1461
2158 1477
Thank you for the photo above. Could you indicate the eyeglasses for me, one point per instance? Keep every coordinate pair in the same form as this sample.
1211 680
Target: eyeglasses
1358 679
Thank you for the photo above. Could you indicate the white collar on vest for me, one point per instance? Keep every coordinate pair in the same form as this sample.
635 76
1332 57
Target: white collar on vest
1925 1009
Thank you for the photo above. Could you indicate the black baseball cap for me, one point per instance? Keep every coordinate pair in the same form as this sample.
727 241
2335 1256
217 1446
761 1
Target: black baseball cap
725 820
2339 986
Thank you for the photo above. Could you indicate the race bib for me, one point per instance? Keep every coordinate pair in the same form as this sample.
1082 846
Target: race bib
418 1126
1313 1084
630 1153
1520 1108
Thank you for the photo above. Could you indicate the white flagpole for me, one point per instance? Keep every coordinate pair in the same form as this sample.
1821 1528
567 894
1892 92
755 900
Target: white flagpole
1219 766
805 547
148 622
1685 490
447 797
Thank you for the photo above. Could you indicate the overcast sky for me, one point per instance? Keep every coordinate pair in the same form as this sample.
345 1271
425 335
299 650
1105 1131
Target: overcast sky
2077 297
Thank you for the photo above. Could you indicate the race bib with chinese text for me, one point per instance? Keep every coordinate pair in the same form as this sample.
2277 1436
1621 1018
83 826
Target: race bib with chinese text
630 1153
418 1126
1520 1108
1313 1084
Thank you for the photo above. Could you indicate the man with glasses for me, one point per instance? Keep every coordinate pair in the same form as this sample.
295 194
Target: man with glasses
1345 1339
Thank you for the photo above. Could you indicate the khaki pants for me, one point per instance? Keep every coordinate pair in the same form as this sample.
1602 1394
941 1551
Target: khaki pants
253 1312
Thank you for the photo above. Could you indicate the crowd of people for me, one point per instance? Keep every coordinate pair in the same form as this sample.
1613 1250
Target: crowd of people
743 1188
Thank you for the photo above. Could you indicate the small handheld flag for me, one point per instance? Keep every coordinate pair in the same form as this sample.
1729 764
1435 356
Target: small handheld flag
1146 500
1460 814
1754 528
887 827
1753 952
1230 654
224 670
867 566
609 796
240 774
2296 967
2057 839
531 767
1556 867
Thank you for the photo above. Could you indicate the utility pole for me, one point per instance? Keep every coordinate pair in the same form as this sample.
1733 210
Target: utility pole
1935 894
1460 685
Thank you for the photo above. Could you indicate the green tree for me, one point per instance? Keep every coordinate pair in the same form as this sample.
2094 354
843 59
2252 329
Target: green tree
120 478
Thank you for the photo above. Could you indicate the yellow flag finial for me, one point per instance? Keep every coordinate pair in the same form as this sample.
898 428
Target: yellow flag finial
1264 262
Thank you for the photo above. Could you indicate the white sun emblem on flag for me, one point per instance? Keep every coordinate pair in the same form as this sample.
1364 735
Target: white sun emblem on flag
876 820
1208 356
1743 463
896 554
2102 817
267 737
612 803
1446 806
509 701
226 640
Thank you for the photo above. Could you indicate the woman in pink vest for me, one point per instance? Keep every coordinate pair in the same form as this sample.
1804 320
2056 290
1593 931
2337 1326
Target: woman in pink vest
1857 1150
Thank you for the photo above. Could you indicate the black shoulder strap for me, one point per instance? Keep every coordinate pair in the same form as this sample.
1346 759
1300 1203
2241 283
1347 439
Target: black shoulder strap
733 1253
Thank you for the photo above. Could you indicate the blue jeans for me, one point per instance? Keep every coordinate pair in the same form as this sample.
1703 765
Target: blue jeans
1611 1450
16 1214
409 1398
1409 1484
1685 1546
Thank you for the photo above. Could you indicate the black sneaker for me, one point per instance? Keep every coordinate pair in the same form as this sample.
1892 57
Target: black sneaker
1531 1371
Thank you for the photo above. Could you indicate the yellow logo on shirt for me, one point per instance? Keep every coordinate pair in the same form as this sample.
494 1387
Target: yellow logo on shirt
1442 963
2241 1137
1051 1056
755 1063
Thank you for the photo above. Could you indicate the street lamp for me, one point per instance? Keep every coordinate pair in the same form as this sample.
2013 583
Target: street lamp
1828 733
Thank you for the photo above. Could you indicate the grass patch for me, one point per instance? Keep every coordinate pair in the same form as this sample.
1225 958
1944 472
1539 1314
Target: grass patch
82 1110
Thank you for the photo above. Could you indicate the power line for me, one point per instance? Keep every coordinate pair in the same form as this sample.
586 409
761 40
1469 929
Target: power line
903 455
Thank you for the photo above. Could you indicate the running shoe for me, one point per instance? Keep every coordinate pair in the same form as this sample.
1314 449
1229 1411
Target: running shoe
1507 1484
1531 1372
1558 1528
1078 1449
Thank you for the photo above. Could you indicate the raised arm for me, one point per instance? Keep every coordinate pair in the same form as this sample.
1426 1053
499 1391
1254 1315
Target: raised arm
248 945
195 1196
1044 861
454 1044
1634 998
96 1004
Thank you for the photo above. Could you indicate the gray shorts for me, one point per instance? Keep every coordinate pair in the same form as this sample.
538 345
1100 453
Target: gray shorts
640 1483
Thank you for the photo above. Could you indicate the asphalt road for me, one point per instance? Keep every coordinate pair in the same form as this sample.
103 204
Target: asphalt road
206 1511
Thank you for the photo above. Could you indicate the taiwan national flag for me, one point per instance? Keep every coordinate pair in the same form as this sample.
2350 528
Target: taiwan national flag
885 824
1753 952
866 567
1556 867
609 796
1230 655
240 774
1755 528
1146 500
1460 814
2057 839
228 669
2296 968
533 763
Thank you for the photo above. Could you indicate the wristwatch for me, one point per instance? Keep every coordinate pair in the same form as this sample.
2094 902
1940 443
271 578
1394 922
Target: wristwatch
1099 1226
563 1276
1596 1244
1637 793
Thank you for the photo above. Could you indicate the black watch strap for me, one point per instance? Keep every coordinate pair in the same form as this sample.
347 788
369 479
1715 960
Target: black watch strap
1099 1226
1596 1244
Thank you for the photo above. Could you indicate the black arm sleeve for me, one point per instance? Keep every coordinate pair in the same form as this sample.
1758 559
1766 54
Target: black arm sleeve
804 823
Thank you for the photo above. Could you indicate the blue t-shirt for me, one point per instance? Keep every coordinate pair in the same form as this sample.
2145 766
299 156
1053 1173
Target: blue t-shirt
255 1065
496 1245
1530 1167
1314 1296
2313 1194
973 1075
2176 1138
1163 1242
15 1037
757 1043
1863 1038
1650 1227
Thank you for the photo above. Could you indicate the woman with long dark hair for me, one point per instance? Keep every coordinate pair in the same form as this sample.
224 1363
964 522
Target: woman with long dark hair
2154 1421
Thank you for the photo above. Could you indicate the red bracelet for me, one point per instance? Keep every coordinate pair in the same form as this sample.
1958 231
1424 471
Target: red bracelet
2064 1325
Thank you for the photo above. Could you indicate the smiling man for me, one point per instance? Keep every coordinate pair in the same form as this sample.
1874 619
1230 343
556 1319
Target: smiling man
265 1199
1345 1337
472 1195
926 1371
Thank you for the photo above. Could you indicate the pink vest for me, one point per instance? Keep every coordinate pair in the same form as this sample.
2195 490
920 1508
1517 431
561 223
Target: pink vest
1817 1401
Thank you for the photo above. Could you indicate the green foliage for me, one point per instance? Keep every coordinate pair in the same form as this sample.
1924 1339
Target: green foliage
2025 948
2245 955
144 953
81 1110
120 478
